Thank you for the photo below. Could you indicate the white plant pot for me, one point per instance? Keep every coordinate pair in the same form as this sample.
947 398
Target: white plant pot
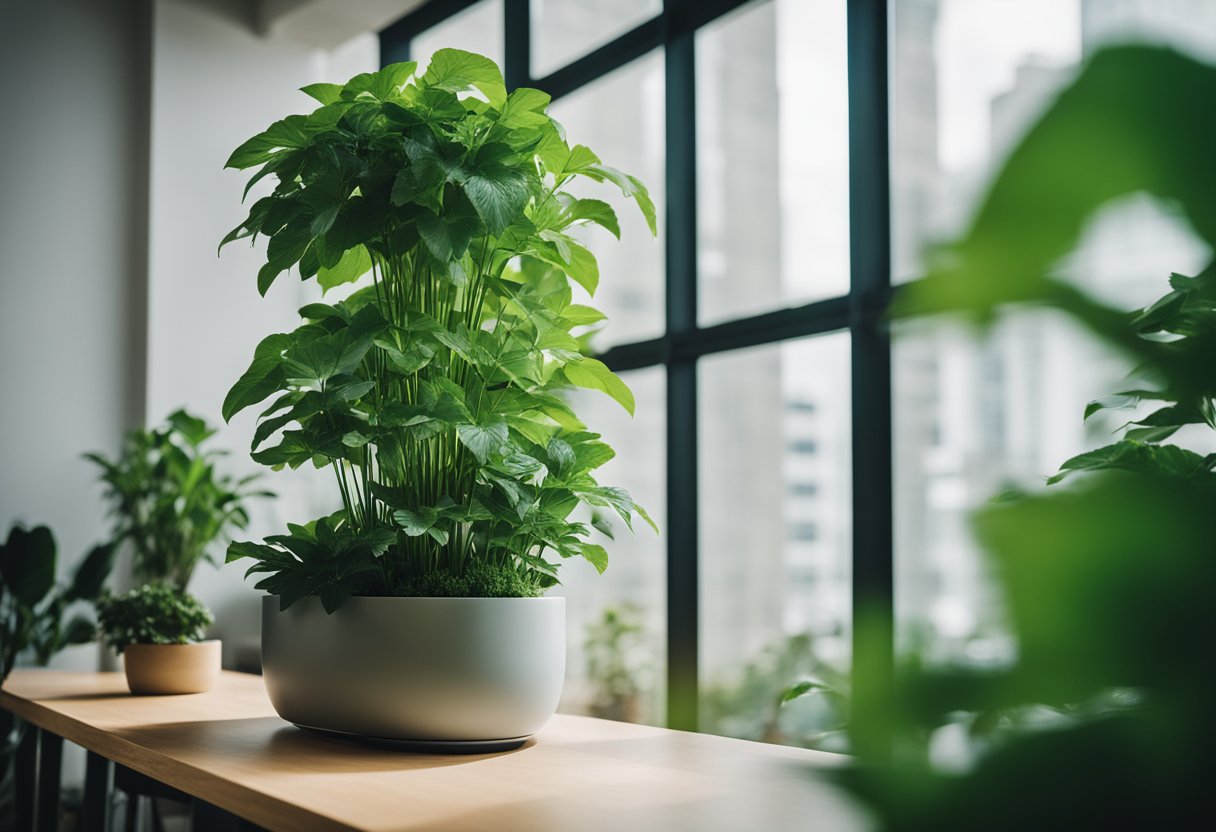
442 674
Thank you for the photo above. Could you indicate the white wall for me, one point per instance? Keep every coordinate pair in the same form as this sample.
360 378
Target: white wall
215 83
73 245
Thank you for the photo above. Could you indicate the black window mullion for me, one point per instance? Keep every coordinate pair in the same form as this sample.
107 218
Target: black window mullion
870 258
683 581
517 50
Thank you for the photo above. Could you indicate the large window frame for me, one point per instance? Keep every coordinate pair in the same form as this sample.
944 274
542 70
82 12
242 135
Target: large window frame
862 311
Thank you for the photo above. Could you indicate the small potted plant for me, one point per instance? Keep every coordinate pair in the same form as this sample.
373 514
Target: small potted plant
614 650
433 393
159 630
167 499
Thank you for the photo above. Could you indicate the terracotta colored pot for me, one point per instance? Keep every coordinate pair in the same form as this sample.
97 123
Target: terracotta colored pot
172 668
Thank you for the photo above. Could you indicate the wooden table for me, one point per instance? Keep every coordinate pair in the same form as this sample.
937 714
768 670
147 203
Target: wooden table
229 749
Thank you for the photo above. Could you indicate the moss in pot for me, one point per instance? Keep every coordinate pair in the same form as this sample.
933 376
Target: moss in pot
159 630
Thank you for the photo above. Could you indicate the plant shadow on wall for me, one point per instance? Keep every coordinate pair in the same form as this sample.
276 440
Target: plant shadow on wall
433 391
1104 719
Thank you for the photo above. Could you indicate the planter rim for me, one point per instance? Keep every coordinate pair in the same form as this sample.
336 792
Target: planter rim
186 644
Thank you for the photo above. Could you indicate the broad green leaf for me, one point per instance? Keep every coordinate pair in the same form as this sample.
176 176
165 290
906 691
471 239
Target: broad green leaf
484 440
263 377
593 374
353 265
416 523
92 572
455 70
27 564
447 236
525 107
595 555
498 193
383 85
596 211
289 133
325 93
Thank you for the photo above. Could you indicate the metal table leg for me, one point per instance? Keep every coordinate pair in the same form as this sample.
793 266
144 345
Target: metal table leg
25 777
95 810
50 765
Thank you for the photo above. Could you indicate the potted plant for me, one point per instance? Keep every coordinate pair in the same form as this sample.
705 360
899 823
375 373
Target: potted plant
614 647
167 499
159 630
414 613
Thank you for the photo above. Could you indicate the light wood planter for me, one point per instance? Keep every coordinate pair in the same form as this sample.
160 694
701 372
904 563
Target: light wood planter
172 668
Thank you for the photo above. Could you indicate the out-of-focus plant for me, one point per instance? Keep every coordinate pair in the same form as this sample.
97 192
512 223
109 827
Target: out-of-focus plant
614 648
1105 718
167 499
34 620
787 695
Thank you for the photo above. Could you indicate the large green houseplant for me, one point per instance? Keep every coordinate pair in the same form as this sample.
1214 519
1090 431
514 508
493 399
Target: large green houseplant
433 390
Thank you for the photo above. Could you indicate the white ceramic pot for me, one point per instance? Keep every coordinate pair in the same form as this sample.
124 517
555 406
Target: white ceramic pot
455 674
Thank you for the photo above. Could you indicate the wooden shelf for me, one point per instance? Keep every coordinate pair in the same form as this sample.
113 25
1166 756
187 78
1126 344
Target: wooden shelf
229 748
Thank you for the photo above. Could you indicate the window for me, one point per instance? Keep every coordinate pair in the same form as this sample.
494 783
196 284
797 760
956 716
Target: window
971 416
744 331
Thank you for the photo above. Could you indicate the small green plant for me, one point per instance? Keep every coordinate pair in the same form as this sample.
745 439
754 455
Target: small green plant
614 650
433 391
787 694
167 499
152 614
32 608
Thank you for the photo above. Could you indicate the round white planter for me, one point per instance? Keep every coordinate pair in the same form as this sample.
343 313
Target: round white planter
451 674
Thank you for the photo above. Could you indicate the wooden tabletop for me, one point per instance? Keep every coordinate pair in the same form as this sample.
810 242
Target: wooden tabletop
228 748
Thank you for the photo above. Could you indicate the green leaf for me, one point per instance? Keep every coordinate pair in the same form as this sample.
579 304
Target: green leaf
384 85
455 70
525 107
325 93
283 251
593 210
264 376
595 555
593 374
416 523
91 574
630 186
1131 455
447 236
354 264
289 133
484 440
27 564
499 194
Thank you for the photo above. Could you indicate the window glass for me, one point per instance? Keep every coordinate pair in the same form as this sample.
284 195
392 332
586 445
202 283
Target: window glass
620 117
479 28
565 30
617 622
772 158
974 416
775 536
